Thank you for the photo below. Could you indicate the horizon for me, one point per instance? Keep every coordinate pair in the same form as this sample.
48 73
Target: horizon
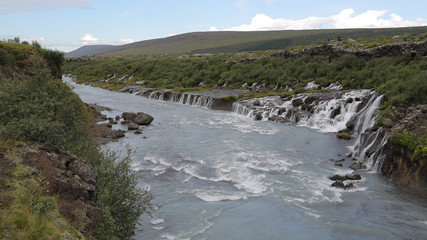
69 25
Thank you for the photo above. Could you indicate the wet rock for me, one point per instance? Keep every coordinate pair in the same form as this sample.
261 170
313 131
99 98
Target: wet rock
349 100
125 122
357 166
117 118
338 184
138 132
281 111
338 164
257 102
350 176
108 125
297 102
348 186
143 119
133 126
129 116
335 112
338 177
258 117
309 100
112 121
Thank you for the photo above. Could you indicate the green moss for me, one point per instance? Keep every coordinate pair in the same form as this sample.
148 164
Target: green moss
343 135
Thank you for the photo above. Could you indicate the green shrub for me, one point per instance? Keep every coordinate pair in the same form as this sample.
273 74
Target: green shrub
119 197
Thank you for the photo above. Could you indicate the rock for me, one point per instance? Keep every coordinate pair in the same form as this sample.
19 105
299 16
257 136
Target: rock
338 177
387 123
112 121
341 160
338 184
257 102
348 186
349 100
281 111
117 118
129 116
126 122
133 126
117 133
108 125
83 170
309 100
335 112
258 117
143 119
350 176
343 135
338 164
138 132
357 166
297 102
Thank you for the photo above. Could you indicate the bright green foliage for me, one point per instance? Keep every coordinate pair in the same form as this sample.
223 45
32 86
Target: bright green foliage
413 143
119 197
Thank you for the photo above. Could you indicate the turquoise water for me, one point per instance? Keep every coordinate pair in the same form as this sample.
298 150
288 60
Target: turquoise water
218 175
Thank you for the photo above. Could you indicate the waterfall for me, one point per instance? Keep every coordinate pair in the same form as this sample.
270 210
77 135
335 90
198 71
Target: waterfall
192 99
328 112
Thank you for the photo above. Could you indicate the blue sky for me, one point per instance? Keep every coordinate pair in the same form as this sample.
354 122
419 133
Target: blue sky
68 24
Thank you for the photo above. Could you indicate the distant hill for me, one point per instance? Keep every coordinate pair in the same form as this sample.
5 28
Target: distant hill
227 41
89 50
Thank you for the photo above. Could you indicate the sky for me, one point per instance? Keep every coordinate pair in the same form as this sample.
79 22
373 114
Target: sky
66 25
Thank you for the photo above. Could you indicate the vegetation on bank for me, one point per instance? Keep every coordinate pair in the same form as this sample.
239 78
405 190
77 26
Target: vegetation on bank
38 107
416 144
26 212
401 78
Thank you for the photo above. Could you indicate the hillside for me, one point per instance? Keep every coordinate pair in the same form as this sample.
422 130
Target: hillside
227 41
89 50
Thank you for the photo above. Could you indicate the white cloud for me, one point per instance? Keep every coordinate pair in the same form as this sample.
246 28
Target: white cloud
213 29
123 41
345 19
89 39
15 6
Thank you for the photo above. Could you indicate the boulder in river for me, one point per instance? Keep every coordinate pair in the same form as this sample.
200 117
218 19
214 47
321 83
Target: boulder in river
143 119
350 176
133 126
129 116
357 166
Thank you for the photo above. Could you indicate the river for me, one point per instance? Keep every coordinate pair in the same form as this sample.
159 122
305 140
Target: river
220 175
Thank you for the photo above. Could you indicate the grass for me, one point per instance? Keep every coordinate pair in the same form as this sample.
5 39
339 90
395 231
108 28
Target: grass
26 212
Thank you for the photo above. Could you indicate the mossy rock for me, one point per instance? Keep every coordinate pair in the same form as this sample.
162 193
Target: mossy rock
343 135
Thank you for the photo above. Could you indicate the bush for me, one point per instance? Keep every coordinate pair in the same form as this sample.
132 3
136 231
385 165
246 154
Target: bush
119 197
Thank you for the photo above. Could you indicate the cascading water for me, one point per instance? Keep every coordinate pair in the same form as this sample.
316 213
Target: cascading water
328 112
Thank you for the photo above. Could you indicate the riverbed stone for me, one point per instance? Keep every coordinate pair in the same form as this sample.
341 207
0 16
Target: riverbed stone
350 176
129 116
357 166
143 119
133 126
